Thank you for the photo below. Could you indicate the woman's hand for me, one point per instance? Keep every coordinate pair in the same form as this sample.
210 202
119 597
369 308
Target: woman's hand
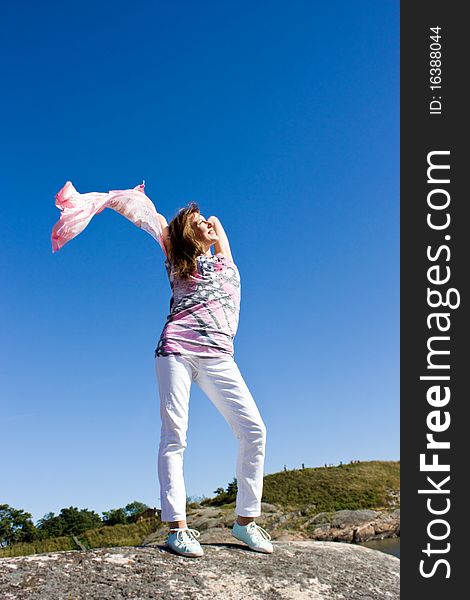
222 245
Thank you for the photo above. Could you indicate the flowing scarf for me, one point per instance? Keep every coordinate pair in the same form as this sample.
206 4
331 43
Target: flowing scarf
77 210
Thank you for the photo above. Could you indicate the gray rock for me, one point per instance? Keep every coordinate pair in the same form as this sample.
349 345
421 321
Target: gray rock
353 526
320 518
296 570
268 508
215 523
207 518
289 516
352 518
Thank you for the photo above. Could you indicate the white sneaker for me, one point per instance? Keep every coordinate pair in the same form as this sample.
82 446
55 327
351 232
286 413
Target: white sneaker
184 542
254 536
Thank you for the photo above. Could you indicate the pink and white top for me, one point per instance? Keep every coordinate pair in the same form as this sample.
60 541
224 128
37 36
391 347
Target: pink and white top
204 310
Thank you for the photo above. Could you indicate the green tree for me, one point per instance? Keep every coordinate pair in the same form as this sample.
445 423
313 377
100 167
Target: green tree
16 525
232 489
126 515
134 509
116 516
50 526
70 521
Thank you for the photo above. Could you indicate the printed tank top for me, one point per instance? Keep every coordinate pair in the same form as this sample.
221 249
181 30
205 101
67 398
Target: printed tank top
204 309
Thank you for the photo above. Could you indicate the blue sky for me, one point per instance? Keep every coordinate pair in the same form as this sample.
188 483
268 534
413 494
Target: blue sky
282 119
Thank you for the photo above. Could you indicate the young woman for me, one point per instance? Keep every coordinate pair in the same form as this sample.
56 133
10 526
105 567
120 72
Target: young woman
196 344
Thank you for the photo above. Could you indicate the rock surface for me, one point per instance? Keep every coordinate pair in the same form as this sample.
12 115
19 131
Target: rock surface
356 526
215 523
295 571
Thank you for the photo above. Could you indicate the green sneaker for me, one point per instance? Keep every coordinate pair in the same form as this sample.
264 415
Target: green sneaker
184 542
253 535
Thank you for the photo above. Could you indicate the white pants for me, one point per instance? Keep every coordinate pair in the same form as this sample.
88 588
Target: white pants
220 379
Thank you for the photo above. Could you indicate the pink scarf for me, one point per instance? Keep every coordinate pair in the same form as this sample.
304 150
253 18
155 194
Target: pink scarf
78 210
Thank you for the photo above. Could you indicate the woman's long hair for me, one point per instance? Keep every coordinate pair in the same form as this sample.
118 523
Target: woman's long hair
185 248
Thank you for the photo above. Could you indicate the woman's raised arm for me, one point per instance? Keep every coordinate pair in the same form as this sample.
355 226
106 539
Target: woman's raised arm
222 245
165 235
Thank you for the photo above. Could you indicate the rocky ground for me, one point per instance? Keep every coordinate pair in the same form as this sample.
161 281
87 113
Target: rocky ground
214 523
306 562
229 570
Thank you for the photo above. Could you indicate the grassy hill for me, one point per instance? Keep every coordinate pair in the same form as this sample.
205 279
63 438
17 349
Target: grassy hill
372 484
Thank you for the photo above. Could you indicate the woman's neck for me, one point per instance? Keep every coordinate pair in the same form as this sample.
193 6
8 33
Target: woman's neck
207 251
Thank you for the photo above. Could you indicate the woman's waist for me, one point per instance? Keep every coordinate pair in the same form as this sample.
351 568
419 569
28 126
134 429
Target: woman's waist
214 299
191 342
191 329
208 312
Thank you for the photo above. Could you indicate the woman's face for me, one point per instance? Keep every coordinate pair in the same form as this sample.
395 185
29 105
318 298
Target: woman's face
205 231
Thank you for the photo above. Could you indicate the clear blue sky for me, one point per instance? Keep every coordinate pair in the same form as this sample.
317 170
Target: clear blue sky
281 118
